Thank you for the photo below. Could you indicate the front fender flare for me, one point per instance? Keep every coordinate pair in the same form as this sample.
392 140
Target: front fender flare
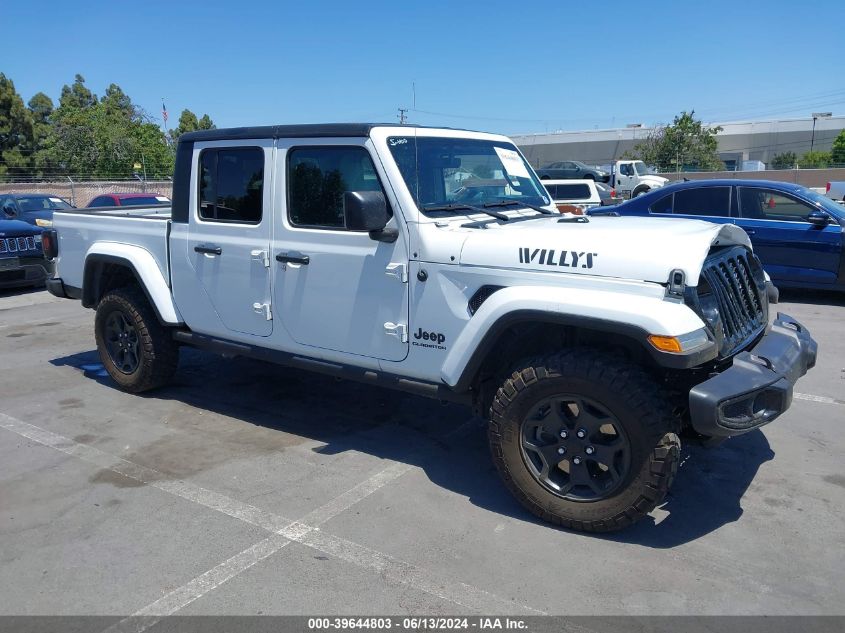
143 266
635 316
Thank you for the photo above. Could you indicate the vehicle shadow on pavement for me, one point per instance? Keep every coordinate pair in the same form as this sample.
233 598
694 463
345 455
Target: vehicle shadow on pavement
450 445
706 494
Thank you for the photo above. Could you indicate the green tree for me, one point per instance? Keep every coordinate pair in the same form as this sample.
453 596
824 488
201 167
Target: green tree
105 138
188 122
16 140
815 160
784 160
686 142
77 95
837 153
41 110
117 102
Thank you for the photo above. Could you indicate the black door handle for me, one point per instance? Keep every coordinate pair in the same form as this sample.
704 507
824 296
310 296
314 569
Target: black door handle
290 258
208 249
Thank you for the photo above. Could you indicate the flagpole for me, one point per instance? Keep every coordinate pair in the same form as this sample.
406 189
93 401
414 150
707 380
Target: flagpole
164 116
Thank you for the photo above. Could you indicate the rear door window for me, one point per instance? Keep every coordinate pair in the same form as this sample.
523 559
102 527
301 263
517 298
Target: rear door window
707 201
231 187
664 205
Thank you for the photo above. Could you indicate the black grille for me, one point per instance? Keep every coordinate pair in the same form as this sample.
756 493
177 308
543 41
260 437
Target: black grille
481 295
733 281
17 244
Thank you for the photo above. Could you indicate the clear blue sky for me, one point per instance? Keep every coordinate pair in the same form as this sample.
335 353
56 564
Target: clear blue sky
501 66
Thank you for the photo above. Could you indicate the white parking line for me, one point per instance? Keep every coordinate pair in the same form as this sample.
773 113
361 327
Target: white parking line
810 397
305 531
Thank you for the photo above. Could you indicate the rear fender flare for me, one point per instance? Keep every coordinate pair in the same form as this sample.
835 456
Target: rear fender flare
141 263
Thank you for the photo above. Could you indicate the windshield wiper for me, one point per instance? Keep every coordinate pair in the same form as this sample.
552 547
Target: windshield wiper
510 203
459 206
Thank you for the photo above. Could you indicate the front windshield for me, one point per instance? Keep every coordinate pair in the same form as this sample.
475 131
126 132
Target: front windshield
38 203
641 168
458 171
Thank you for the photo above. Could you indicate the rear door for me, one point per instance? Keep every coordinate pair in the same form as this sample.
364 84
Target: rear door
712 204
227 290
790 248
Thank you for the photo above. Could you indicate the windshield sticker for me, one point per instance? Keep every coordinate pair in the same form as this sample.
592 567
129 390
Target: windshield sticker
162 199
512 162
55 199
397 141
567 259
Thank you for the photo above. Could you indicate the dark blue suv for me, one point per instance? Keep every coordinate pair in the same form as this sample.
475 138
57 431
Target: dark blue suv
22 260
797 233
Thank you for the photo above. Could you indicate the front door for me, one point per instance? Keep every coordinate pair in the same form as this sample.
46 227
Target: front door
228 242
790 248
336 289
625 177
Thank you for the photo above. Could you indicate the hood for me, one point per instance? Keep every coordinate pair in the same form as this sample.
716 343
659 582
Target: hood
15 228
654 181
635 248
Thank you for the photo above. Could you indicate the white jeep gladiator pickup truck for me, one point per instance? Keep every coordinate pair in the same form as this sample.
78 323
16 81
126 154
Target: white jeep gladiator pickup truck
433 261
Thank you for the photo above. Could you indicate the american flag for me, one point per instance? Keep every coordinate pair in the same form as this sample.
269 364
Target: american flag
164 111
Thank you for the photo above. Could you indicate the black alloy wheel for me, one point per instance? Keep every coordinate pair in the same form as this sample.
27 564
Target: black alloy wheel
122 343
575 448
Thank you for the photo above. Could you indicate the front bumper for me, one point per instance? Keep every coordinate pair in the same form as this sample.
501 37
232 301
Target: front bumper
757 388
25 271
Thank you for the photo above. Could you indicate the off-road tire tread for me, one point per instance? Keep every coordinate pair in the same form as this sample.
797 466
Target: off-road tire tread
642 395
159 352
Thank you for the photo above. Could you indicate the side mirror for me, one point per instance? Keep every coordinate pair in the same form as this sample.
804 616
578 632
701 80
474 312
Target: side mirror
9 210
818 218
367 211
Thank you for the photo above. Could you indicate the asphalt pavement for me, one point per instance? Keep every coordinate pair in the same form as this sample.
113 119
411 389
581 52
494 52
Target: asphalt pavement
246 488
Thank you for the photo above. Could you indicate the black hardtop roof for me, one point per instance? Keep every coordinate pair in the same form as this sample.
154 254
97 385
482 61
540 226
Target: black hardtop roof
306 130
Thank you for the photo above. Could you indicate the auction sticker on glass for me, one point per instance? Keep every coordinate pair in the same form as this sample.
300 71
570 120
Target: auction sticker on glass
512 162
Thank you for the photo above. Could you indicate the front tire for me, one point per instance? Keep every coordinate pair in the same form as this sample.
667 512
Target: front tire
584 440
135 349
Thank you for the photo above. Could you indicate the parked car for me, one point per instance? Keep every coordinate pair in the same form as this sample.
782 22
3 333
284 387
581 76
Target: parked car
33 208
796 232
571 169
579 337
835 190
632 178
608 195
22 261
573 196
128 200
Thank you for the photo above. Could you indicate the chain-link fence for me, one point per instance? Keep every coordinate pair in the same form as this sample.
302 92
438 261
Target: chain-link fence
80 193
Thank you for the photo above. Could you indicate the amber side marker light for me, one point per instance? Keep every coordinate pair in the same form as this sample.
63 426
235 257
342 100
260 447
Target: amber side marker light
665 343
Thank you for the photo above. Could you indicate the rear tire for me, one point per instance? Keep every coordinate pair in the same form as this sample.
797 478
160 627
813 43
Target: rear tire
639 192
136 350
615 474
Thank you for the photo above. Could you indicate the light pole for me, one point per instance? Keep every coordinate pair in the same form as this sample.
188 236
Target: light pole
818 115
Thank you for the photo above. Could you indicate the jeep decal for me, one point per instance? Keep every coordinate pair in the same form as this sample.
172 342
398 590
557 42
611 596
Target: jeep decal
567 259
437 339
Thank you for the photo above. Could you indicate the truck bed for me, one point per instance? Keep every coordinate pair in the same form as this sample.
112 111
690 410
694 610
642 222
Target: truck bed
81 230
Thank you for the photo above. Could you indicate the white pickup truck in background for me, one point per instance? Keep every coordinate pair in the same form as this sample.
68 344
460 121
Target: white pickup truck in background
633 177
433 261
835 190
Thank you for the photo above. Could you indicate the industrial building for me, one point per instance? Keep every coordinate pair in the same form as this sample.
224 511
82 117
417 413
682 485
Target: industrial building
738 141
